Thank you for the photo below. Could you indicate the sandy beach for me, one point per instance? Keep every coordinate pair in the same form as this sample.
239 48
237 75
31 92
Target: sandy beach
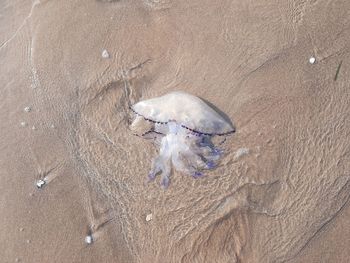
73 176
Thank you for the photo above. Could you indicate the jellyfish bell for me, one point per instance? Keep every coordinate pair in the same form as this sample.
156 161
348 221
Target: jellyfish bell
184 125
185 109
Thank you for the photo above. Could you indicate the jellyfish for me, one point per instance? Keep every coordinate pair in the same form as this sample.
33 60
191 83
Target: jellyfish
183 126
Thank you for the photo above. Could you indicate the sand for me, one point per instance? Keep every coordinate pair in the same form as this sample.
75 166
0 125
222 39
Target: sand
69 72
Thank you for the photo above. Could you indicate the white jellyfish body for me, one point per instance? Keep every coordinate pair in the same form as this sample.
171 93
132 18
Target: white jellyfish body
184 125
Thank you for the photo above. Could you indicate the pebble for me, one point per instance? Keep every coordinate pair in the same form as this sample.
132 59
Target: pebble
27 109
23 124
28 241
88 239
312 60
149 217
18 260
33 127
21 229
40 183
105 54
53 126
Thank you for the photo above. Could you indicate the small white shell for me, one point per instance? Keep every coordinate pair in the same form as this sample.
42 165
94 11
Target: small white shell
88 239
312 60
105 54
27 109
149 217
40 183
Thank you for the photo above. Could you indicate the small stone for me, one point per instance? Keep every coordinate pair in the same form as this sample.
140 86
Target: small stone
53 126
27 109
105 54
88 239
21 229
23 124
40 183
149 217
33 128
18 260
28 241
312 60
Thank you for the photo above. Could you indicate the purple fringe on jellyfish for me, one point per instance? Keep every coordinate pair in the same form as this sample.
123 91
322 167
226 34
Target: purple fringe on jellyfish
185 126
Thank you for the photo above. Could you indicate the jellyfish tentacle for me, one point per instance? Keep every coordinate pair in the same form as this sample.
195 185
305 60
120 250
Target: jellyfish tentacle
165 176
197 174
156 168
162 162
208 152
180 165
194 162
212 156
158 164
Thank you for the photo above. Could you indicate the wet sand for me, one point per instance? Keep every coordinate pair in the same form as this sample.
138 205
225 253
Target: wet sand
71 69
